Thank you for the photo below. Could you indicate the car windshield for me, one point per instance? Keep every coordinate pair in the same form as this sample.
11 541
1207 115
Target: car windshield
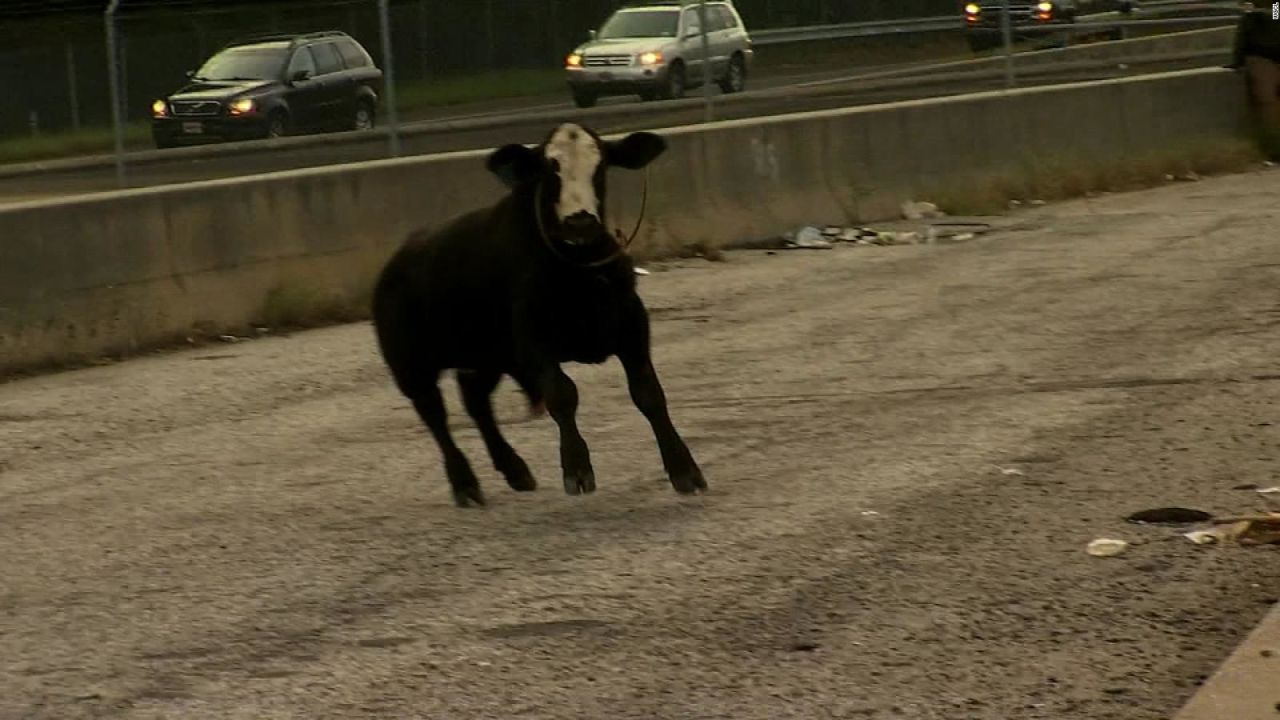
244 64
641 24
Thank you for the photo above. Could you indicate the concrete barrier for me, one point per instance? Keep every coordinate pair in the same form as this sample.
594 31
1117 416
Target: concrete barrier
119 272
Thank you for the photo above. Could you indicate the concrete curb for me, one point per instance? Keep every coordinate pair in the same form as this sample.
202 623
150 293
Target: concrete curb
1247 685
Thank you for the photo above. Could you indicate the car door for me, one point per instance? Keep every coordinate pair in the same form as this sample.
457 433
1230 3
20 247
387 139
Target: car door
337 102
691 43
305 94
722 29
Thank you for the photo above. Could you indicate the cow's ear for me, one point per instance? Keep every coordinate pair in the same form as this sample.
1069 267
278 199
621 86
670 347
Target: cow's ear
514 164
635 150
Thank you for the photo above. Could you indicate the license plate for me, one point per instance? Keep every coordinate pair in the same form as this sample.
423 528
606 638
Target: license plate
192 128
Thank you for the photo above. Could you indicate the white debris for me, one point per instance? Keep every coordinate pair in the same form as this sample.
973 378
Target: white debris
1269 491
641 271
1106 547
1203 537
810 237
1010 471
920 210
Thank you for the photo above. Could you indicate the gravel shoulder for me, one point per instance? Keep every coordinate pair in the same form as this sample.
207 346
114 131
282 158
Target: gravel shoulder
263 530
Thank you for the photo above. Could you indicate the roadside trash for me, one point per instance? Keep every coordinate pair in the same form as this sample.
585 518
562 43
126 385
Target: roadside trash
1203 537
1106 547
1015 204
1038 203
229 338
1170 516
869 513
810 237
1189 176
1243 530
1009 471
1269 491
920 210
641 271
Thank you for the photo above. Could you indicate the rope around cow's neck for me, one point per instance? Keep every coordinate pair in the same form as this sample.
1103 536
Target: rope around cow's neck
546 237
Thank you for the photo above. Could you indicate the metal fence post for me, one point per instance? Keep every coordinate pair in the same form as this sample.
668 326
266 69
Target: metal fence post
73 89
1006 30
389 72
706 61
113 76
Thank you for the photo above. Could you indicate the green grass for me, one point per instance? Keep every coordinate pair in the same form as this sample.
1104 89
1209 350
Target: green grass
463 89
89 141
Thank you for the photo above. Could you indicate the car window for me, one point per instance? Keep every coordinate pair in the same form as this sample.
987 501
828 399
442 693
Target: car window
727 19
691 25
639 24
327 58
352 53
302 60
243 64
715 21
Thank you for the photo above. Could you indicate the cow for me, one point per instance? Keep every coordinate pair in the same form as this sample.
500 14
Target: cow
518 289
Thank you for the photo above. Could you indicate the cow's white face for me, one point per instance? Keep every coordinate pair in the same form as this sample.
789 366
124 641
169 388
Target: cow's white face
574 155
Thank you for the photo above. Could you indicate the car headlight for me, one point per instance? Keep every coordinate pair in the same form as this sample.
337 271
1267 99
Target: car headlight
651 58
574 60
972 8
242 106
159 108
1045 7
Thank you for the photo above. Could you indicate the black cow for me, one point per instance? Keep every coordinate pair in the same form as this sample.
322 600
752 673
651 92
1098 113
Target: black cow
517 289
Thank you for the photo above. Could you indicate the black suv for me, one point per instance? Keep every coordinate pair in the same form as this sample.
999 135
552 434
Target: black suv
1038 18
272 86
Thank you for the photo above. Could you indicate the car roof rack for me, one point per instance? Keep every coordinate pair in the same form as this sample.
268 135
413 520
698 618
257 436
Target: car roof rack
286 37
666 3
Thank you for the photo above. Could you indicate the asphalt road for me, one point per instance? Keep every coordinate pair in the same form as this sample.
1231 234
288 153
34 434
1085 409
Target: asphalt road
827 91
908 449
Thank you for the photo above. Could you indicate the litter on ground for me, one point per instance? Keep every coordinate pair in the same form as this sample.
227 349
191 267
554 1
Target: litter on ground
1106 547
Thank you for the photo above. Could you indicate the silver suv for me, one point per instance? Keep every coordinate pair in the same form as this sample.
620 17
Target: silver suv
654 49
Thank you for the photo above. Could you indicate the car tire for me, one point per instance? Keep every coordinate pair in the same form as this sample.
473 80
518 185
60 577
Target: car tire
735 76
365 116
584 98
676 82
277 125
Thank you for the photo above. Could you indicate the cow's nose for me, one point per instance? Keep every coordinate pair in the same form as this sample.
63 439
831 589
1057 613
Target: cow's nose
580 221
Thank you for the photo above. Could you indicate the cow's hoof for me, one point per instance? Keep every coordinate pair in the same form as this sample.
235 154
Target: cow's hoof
689 482
467 496
522 481
581 483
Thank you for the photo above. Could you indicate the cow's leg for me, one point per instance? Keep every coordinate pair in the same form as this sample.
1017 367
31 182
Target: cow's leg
561 397
477 390
646 392
430 406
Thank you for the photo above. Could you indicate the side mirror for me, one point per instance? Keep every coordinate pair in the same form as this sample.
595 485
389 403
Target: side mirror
300 76
191 74
591 34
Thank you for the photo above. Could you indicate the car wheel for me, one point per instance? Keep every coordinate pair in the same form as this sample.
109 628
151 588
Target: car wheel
277 125
365 116
675 82
735 77
584 98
